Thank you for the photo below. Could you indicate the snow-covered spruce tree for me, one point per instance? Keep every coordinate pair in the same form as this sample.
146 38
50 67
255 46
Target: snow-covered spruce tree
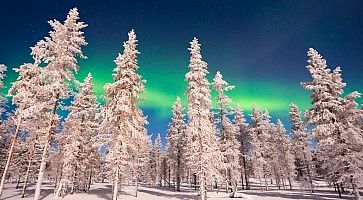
5 141
79 136
228 142
231 152
58 53
25 92
347 161
244 137
151 170
104 169
177 138
56 164
165 167
19 161
325 95
138 146
283 159
330 128
325 105
301 148
122 97
261 145
221 86
35 137
143 168
158 159
206 156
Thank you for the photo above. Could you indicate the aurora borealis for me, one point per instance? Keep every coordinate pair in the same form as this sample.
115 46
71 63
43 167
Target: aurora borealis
259 46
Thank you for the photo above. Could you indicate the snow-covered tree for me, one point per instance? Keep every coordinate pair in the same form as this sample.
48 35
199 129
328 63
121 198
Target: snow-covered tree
335 137
35 137
104 169
206 156
5 140
244 137
228 142
177 138
138 146
18 164
221 86
79 132
121 108
3 133
58 53
325 96
345 163
261 145
158 159
282 158
151 170
301 148
165 167
25 92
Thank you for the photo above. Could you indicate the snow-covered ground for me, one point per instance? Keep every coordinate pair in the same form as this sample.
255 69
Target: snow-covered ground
103 191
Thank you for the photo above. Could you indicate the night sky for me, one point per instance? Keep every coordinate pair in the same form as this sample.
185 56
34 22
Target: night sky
259 46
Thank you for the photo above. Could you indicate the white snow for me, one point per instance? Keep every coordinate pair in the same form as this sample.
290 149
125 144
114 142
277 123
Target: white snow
100 191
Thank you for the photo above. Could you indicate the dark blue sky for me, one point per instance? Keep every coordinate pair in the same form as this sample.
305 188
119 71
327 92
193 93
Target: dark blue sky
259 46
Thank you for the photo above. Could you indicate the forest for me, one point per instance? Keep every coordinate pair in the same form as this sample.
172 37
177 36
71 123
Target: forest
209 147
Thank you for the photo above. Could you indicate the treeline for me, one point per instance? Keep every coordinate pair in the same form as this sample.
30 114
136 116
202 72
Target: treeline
208 147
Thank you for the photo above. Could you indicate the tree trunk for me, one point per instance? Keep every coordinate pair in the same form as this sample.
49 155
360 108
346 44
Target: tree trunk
342 187
310 177
227 182
283 183
245 170
137 186
27 175
115 185
290 183
355 190
190 179
169 177
75 184
202 189
160 178
339 192
60 185
260 180
56 179
242 180
11 151
278 184
233 188
266 183
59 178
137 175
17 182
178 175
195 181
90 180
312 186
45 152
